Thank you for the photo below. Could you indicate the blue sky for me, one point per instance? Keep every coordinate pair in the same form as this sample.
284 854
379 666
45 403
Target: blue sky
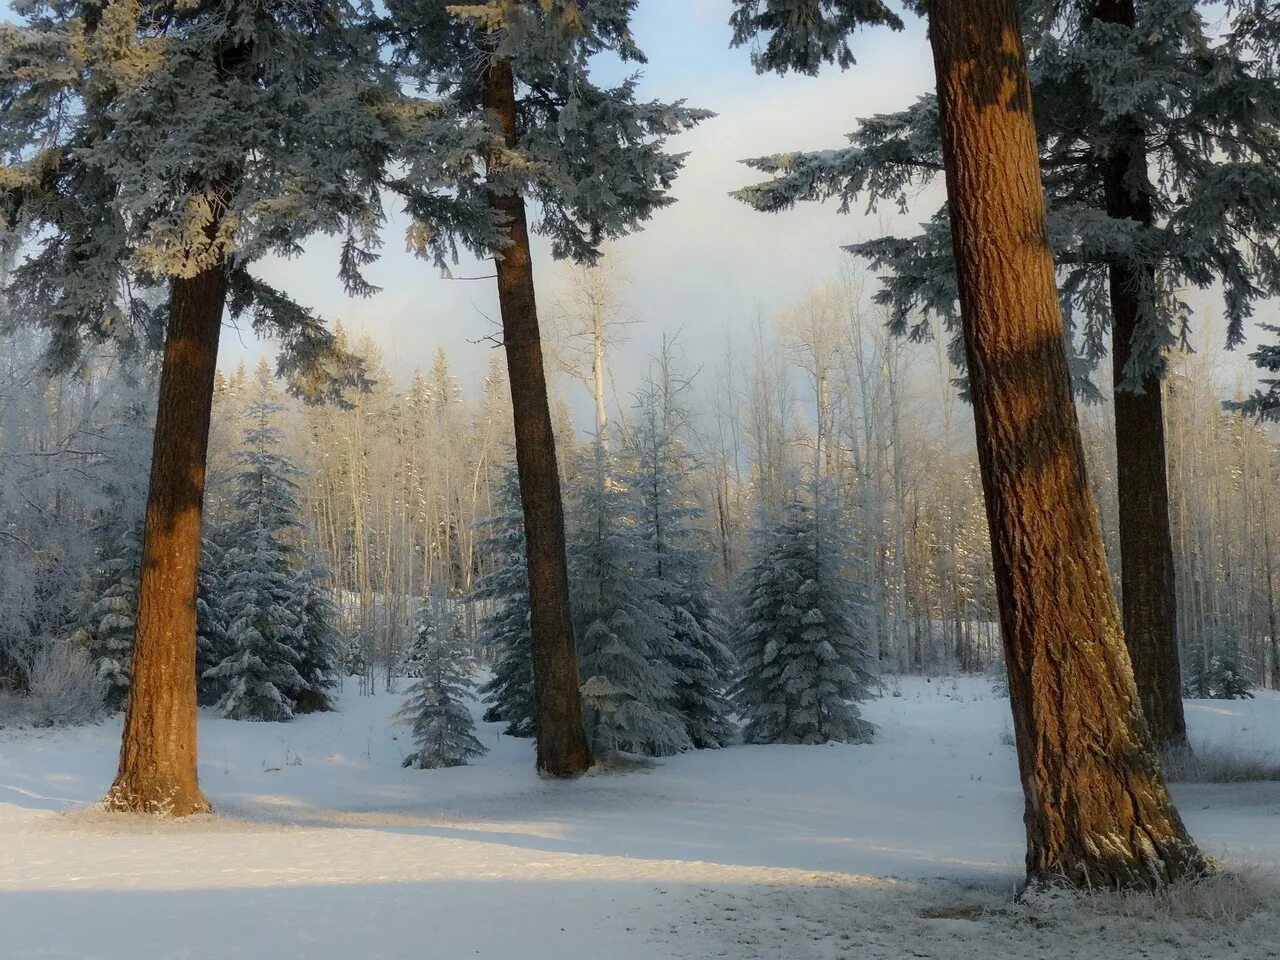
707 266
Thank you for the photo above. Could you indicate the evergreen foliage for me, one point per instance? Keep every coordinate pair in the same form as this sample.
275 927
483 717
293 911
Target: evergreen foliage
592 158
626 650
504 627
147 141
279 621
112 618
803 660
443 730
677 562
1193 92
212 646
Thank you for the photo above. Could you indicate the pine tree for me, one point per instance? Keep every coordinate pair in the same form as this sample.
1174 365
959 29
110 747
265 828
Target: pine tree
1098 812
504 627
517 76
263 605
443 730
803 652
625 644
667 516
212 646
1161 169
320 642
112 618
158 147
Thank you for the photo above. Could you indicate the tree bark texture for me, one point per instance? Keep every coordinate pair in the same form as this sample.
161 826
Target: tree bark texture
1097 810
1147 587
561 736
157 772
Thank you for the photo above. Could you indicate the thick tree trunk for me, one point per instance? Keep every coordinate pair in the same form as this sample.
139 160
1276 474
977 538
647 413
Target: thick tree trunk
1147 591
562 739
157 771
1097 810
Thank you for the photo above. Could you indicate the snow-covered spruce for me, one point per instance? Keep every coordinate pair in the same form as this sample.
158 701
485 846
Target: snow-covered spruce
443 730
112 618
803 659
676 561
504 626
625 645
279 634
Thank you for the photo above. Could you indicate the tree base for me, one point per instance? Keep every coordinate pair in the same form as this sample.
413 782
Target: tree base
1138 874
158 800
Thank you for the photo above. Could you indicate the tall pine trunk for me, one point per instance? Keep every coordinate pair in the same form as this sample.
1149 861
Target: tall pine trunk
562 739
157 772
1097 811
1147 591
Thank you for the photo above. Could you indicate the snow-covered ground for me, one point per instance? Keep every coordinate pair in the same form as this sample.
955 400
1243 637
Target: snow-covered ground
326 849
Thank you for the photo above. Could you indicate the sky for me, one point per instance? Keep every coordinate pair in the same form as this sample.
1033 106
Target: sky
705 267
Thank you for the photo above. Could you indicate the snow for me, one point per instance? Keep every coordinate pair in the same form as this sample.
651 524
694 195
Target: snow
325 849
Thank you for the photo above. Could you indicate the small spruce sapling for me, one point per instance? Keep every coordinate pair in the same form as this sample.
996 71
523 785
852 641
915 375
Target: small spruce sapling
443 729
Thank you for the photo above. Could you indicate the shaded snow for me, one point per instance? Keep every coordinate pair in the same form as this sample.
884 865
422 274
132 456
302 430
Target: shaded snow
326 849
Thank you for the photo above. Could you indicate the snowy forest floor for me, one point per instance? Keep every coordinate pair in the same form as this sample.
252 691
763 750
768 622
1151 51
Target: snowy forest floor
325 849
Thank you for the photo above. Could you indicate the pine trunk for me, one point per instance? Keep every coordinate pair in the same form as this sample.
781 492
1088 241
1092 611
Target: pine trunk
562 739
1147 591
157 771
1097 811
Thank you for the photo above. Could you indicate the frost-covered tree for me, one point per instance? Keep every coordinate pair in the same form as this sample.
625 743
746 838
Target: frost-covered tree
112 618
264 600
804 661
625 643
260 675
211 618
504 626
443 729
153 146
1160 158
677 563
1092 816
320 641
593 159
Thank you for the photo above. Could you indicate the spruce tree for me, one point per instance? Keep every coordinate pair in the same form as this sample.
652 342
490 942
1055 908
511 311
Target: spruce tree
264 604
165 147
320 641
504 625
443 730
625 644
802 650
1161 168
112 618
1098 812
516 75
677 563
211 618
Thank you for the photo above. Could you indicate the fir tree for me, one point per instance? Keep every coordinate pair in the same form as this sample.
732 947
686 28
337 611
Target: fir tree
504 626
667 516
625 646
1161 169
516 75
265 632
320 642
150 147
112 618
803 658
211 619
443 730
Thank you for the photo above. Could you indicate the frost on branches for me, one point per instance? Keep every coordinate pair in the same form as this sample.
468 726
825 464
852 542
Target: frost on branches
803 657
625 647
443 730
503 593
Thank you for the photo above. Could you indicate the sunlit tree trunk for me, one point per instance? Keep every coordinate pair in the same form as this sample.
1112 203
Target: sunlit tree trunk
1097 810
